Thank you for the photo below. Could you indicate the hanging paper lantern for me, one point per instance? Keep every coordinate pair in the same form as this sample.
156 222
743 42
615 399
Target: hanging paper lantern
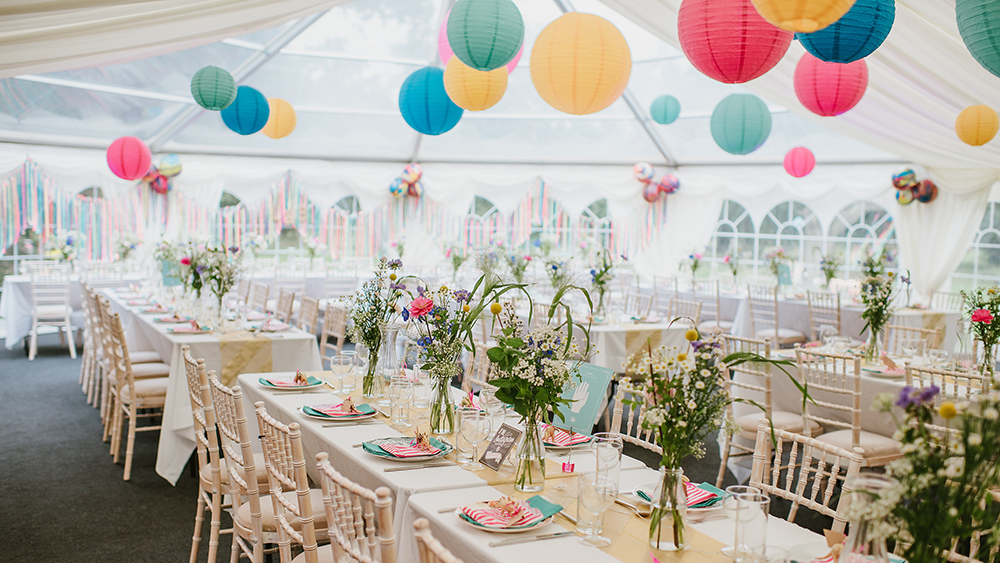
213 88
643 172
281 121
926 191
650 192
416 189
806 16
669 184
485 34
170 165
129 158
904 179
977 125
979 23
799 162
904 197
830 89
855 36
425 104
445 52
665 109
397 187
249 113
728 41
740 123
580 63
472 89
412 173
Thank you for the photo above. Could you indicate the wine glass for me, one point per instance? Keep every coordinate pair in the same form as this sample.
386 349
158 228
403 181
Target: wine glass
400 393
421 387
340 365
596 494
607 448
347 380
751 525
729 505
909 347
938 358
494 407
827 333
360 367
475 429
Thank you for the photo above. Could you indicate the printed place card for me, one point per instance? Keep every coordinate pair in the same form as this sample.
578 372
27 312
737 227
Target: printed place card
498 450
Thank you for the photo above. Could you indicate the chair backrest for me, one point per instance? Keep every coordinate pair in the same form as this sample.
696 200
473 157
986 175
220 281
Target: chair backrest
628 281
50 286
203 414
540 315
683 309
759 373
360 519
258 296
237 447
820 463
102 274
638 305
431 550
666 287
944 301
840 376
309 314
478 369
286 469
338 287
957 386
824 310
285 306
706 292
120 360
763 307
633 432
895 335
243 290
334 326
291 278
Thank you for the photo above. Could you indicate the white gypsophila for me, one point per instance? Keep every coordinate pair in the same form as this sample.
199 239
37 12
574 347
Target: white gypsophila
654 417
975 439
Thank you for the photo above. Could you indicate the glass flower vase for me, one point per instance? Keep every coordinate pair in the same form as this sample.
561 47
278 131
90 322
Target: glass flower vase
371 384
388 363
530 474
669 502
861 545
442 415
873 347
987 366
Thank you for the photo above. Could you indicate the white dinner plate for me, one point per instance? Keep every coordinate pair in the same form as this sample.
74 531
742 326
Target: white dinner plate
547 521
448 448
649 487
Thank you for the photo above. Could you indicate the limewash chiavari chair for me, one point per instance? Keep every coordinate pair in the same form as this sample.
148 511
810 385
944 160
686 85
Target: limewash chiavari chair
666 287
824 310
839 377
50 306
102 274
89 357
258 296
706 292
243 292
628 282
638 305
336 288
334 326
309 315
633 432
763 300
540 315
360 520
290 279
820 463
478 369
956 386
945 301
895 335
285 306
431 550
686 312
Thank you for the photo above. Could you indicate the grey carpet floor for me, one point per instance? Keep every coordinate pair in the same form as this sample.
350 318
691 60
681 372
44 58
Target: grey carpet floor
62 498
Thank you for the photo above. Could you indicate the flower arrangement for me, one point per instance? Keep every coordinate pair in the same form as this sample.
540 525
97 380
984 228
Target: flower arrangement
194 262
559 274
253 244
398 246
546 243
774 259
600 278
222 271
732 260
64 245
315 248
876 296
693 262
457 256
519 263
125 246
983 307
373 307
829 264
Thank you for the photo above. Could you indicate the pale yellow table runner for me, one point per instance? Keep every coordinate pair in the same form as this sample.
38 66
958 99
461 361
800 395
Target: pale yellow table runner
243 352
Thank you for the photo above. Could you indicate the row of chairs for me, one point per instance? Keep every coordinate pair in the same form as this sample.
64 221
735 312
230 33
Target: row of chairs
272 503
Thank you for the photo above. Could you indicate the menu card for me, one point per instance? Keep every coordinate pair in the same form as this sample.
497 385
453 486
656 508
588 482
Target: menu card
498 450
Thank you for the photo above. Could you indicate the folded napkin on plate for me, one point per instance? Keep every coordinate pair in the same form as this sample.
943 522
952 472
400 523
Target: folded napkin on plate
535 510
397 450
331 410
137 302
174 319
256 316
287 381
191 329
714 495
562 438
156 309
274 326
887 371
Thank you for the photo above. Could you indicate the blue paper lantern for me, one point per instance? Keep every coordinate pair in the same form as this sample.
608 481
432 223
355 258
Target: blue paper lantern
425 105
741 123
855 35
665 109
248 113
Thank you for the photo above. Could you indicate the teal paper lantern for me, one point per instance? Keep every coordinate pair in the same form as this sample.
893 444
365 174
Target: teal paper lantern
425 105
213 88
855 35
665 109
485 34
979 23
248 113
741 123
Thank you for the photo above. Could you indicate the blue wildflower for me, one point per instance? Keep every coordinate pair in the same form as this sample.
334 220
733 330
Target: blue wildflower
406 314
461 295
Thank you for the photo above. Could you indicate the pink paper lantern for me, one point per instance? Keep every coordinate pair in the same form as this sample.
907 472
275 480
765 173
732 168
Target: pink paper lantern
129 158
727 40
445 52
830 89
799 162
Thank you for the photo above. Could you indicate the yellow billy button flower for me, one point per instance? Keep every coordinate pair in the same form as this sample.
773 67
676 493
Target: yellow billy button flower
392 277
466 308
691 335
496 308
444 289
891 274
947 410
681 357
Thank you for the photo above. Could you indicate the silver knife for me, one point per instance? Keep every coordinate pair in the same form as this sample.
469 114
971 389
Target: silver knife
531 539
423 466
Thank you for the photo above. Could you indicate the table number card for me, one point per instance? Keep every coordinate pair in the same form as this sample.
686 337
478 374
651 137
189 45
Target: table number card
588 399
498 450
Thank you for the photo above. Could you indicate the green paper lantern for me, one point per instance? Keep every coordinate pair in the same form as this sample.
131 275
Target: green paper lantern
213 88
979 23
665 109
485 34
741 123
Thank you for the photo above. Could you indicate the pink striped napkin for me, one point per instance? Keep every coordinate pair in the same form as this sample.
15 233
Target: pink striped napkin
399 450
696 495
330 409
256 316
190 329
563 439
274 326
172 319
495 518
137 302
156 309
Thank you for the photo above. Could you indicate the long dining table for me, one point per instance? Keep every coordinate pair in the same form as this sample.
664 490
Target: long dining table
435 492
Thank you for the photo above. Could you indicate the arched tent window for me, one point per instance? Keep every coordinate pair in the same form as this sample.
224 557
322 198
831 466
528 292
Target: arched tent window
94 191
981 265
595 224
228 200
857 228
793 226
734 234
482 207
482 223
348 205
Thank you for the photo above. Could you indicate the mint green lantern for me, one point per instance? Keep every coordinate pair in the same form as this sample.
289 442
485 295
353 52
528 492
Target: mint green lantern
485 34
665 109
979 23
213 88
741 123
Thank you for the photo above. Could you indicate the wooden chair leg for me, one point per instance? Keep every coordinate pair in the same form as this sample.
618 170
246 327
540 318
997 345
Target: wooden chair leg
83 370
116 438
199 517
69 339
234 555
130 444
213 539
33 341
725 459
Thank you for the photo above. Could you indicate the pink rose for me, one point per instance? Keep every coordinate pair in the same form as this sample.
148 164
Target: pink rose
981 316
527 258
697 256
725 259
420 307
447 253
186 261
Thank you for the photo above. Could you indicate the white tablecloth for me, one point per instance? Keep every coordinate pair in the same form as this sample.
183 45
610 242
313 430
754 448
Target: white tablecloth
615 343
290 350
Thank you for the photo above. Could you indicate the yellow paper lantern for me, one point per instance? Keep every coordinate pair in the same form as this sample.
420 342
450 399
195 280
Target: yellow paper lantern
282 120
804 16
977 125
580 63
472 89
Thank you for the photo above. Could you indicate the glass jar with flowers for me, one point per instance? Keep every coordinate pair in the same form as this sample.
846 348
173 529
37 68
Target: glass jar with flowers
876 296
371 309
774 259
600 281
982 307
829 264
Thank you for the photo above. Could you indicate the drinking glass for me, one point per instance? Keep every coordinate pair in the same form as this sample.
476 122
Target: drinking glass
729 505
347 380
340 365
764 554
840 344
494 407
607 448
910 347
400 393
421 388
596 494
827 333
463 455
360 367
938 358
751 525
475 429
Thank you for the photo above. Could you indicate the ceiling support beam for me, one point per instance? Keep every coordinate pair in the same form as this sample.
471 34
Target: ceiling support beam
187 116
633 104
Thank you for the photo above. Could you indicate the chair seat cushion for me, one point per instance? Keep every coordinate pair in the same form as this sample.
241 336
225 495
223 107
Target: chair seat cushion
152 369
785 335
272 305
144 357
879 449
337 302
324 552
151 391
708 327
267 521
52 311
259 470
782 420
